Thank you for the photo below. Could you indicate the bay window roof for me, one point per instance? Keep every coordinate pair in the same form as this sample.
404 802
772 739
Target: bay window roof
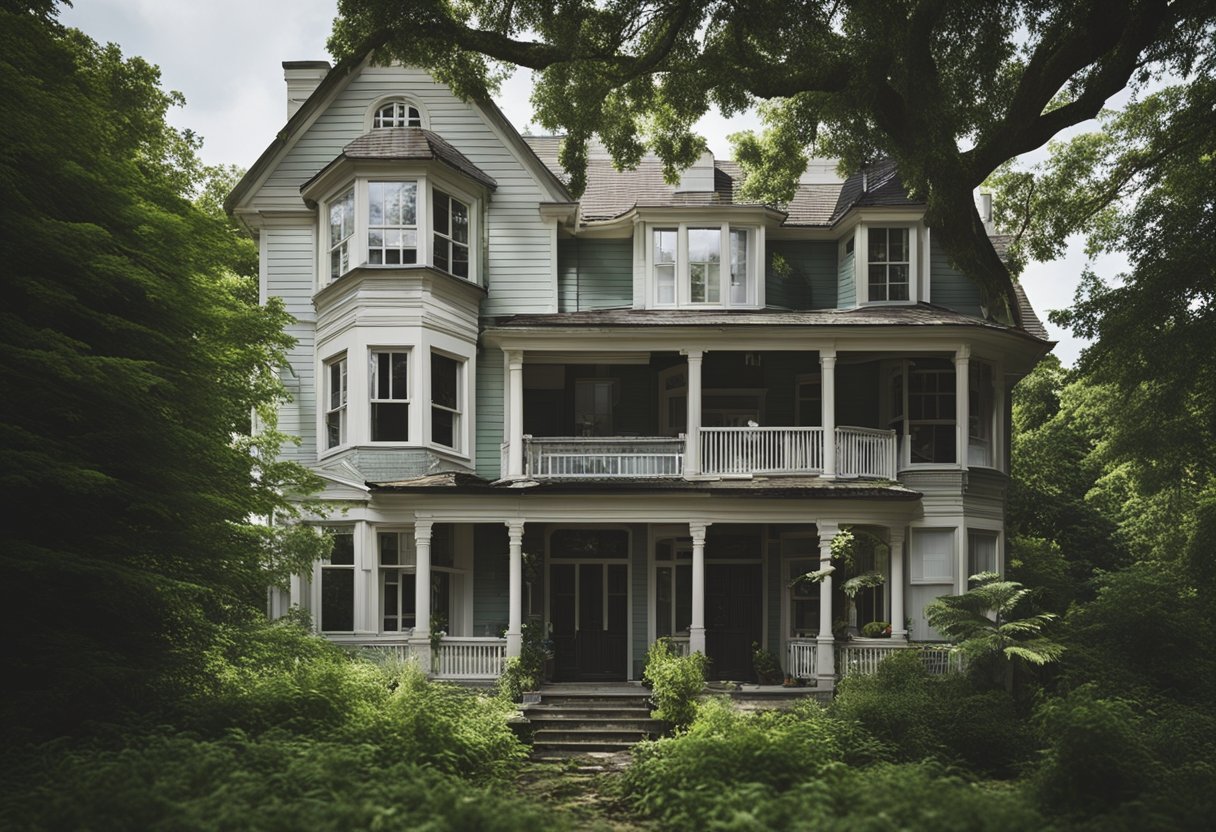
405 144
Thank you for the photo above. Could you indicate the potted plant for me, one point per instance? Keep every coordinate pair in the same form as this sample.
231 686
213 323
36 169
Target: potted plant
766 666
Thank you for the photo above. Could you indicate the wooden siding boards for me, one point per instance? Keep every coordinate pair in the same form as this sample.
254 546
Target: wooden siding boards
594 274
811 282
519 241
290 265
490 415
949 287
846 283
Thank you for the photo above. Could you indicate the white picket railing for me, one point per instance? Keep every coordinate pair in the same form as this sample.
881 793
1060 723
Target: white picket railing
862 657
800 659
767 450
470 658
865 453
679 645
595 457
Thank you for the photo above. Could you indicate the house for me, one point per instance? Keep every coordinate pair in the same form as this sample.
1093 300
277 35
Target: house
638 414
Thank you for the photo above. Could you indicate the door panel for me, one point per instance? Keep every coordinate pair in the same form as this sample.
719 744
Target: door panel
592 651
733 618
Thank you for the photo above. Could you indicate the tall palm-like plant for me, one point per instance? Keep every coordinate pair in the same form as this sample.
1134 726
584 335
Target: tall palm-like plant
986 628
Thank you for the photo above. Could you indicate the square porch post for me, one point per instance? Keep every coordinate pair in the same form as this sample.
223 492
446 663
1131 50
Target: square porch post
515 589
692 410
827 390
898 630
420 641
825 646
696 627
515 414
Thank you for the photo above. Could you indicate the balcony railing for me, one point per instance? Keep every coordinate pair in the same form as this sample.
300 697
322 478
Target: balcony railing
727 451
800 658
603 457
865 453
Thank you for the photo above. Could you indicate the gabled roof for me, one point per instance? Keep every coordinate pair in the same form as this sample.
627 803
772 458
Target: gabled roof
408 144
877 185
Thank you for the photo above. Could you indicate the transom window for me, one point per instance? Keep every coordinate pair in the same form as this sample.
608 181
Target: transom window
390 396
702 266
451 235
392 223
445 401
335 413
397 114
890 263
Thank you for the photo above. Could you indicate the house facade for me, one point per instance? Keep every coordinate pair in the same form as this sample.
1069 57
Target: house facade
638 414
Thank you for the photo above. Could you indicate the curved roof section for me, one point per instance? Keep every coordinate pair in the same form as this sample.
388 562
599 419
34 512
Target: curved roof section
407 144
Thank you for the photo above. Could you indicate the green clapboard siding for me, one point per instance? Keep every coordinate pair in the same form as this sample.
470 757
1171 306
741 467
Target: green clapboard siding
949 287
846 284
806 278
490 417
594 274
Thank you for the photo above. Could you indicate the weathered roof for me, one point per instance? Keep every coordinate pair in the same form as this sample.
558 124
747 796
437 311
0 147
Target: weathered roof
809 487
877 185
918 314
408 144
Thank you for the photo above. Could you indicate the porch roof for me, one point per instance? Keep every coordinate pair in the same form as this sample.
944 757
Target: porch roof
793 487
918 314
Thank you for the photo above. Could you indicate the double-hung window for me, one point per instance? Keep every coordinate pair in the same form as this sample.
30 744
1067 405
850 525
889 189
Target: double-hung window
889 263
702 266
335 413
341 229
931 411
397 570
981 551
338 583
390 396
451 243
445 401
392 223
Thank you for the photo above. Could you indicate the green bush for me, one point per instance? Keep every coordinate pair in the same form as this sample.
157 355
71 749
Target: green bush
676 683
768 669
876 629
279 781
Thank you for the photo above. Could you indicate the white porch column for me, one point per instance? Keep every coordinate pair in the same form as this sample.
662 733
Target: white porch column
696 628
962 403
898 630
825 647
420 642
515 599
515 413
827 390
692 430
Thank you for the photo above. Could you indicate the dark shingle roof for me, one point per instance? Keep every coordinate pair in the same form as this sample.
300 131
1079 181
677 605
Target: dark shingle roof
919 314
413 144
882 187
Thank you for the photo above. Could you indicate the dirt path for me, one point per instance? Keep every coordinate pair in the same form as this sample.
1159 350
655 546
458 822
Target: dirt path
579 788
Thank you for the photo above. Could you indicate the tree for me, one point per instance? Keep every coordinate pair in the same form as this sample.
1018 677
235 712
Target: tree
132 356
950 90
988 630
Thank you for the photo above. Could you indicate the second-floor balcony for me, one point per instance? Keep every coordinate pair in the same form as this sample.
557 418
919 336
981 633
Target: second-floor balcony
724 452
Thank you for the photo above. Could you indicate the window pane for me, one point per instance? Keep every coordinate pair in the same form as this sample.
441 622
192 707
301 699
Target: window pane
877 244
665 281
665 246
460 260
444 374
344 547
704 245
337 599
400 375
389 555
738 267
441 253
443 427
441 213
981 552
898 240
390 422
460 222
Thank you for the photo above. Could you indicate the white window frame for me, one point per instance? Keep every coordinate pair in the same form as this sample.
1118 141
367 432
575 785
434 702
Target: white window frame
916 570
325 565
404 114
861 260
387 228
406 565
448 238
372 390
338 407
369 116
994 536
427 183
345 203
458 412
682 295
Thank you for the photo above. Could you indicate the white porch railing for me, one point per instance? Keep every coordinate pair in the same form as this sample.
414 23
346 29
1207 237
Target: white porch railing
769 450
800 658
679 645
470 658
865 452
861 658
594 457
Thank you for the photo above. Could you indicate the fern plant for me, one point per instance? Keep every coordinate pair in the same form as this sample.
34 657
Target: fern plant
987 629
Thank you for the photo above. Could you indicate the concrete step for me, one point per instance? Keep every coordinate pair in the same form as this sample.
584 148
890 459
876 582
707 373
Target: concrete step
596 700
544 711
546 736
576 748
567 723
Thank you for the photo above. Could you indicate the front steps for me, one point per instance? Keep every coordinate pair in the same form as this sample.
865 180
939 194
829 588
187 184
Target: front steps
575 721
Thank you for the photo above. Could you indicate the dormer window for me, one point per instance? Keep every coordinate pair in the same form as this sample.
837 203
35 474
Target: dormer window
696 264
890 262
397 114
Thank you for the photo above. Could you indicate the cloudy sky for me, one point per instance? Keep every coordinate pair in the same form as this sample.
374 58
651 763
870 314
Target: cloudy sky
225 56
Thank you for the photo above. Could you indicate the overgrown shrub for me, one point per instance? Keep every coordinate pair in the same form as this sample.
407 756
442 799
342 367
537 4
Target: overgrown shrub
676 683
768 669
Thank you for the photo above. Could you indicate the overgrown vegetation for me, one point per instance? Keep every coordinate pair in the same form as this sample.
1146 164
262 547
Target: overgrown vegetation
677 683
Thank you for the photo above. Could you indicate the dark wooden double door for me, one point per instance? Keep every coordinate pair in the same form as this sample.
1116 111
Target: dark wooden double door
733 618
588 608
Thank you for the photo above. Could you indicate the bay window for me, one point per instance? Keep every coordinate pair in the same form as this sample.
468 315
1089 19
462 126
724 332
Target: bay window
335 412
392 223
390 396
702 265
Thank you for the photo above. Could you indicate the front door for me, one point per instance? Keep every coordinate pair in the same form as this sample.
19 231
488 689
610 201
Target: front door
733 618
588 605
